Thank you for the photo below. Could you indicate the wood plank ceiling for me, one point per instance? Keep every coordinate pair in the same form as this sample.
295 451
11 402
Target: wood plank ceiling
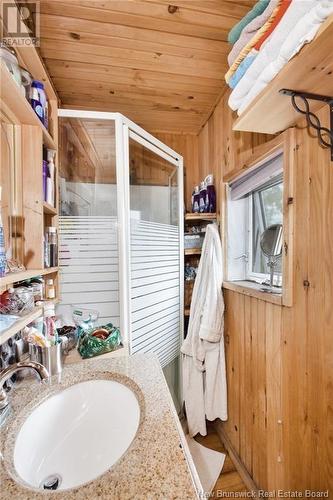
161 64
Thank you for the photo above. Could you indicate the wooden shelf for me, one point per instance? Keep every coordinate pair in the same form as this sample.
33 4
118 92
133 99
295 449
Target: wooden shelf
48 209
14 103
196 216
20 323
11 278
309 71
192 251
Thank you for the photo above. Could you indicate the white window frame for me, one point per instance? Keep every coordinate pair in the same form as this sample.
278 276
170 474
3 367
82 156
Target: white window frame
235 255
249 274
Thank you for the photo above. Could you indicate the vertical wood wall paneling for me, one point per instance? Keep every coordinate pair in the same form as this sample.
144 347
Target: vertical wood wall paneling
32 160
280 359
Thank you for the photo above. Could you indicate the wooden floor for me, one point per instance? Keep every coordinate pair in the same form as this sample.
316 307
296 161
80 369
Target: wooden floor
229 479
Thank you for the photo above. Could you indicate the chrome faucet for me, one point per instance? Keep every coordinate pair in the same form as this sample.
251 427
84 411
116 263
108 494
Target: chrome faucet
8 372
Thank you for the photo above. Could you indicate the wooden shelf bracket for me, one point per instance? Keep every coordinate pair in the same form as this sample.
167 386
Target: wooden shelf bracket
312 120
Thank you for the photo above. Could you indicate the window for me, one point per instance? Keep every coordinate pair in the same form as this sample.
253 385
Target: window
255 202
265 209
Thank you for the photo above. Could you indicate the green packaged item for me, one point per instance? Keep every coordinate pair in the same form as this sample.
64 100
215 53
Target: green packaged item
98 340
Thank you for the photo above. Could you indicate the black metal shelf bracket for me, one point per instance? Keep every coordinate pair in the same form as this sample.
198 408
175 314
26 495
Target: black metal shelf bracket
325 135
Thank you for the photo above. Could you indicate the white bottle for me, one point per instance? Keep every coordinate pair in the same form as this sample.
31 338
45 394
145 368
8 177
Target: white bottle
50 188
50 331
50 289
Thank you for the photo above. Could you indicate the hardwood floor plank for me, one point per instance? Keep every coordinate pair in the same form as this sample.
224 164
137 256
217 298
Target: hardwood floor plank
231 482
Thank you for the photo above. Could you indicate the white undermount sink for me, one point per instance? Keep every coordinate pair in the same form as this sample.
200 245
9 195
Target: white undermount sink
76 435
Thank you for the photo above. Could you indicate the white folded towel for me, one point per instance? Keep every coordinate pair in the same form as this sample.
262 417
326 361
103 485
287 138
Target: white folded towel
270 49
304 31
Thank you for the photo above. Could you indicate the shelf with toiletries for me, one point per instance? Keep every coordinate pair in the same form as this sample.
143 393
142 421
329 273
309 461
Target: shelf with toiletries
20 323
21 303
203 212
11 278
28 103
271 112
15 105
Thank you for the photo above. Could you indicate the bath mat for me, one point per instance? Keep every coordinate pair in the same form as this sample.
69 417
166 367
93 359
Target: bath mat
208 463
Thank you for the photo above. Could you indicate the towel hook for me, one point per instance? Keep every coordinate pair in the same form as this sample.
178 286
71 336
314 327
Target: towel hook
312 120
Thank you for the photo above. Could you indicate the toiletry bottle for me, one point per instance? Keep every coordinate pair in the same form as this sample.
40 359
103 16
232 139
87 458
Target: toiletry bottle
37 284
46 114
50 289
210 204
196 199
202 198
50 332
38 99
53 246
3 261
50 190
46 250
45 176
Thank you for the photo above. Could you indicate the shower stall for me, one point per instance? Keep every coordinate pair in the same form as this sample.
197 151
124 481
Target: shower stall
121 229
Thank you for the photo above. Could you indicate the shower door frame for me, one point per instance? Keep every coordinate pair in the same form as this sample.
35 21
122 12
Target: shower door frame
124 130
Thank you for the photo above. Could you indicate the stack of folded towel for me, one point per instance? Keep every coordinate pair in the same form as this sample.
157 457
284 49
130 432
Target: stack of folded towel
266 39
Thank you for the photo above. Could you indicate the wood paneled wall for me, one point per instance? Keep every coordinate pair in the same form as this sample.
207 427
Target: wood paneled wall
280 359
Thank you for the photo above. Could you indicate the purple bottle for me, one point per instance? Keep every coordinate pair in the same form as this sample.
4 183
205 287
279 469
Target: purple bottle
38 99
202 200
196 200
210 203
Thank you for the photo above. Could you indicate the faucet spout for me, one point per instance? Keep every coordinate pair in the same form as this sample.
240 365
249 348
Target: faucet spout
38 368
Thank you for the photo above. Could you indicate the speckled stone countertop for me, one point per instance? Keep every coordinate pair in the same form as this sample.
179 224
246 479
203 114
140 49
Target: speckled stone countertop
154 466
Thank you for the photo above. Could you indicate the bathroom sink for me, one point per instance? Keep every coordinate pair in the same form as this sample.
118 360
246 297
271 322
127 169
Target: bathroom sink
76 435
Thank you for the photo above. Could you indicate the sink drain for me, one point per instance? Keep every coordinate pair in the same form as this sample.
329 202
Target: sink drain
51 482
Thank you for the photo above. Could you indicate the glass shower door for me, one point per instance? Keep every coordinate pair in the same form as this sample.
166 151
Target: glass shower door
155 254
88 221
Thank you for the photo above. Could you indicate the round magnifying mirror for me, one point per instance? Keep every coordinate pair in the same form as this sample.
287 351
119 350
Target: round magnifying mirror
271 241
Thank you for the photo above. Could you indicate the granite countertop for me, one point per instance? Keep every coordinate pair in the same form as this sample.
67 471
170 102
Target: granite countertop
155 465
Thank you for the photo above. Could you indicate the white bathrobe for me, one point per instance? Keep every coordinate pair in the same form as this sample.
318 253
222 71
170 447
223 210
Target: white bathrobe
204 375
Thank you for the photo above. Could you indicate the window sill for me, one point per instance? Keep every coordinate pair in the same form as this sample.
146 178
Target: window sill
253 290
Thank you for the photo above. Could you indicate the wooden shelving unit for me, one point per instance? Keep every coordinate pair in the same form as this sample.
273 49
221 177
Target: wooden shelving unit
16 106
25 136
192 251
11 278
309 71
48 209
196 216
193 254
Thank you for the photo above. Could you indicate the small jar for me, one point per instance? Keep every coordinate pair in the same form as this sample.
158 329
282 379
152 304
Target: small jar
25 299
50 289
38 288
